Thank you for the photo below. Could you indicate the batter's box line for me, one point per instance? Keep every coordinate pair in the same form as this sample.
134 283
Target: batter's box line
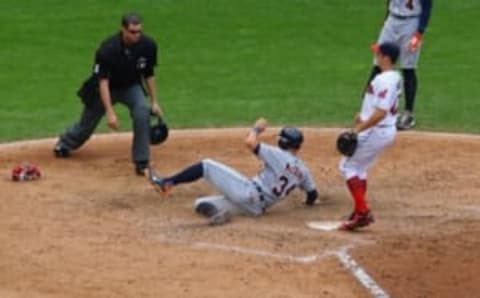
261 253
307 259
341 254
360 274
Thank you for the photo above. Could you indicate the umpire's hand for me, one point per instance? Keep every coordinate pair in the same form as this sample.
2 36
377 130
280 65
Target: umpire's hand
112 120
156 109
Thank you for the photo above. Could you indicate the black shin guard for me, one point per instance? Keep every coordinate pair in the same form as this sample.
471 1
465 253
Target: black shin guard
410 86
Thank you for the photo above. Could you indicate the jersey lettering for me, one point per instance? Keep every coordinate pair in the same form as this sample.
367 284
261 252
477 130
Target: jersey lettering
281 189
370 89
394 108
294 171
383 94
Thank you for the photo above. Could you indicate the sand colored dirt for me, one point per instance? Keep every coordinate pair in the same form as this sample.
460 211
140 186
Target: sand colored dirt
91 228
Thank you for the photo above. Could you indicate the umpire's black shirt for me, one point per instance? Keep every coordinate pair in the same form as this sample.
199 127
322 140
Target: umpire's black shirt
125 65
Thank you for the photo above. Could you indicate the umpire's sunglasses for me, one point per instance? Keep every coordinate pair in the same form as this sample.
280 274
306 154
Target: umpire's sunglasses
134 31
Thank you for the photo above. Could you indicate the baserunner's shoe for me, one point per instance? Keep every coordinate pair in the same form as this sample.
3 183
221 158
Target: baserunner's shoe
140 167
161 185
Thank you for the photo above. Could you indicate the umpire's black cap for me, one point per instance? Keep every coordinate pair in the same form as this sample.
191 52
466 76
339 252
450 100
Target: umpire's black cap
388 49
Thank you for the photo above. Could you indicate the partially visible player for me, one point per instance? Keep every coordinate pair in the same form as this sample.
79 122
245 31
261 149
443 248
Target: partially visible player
375 126
405 26
283 171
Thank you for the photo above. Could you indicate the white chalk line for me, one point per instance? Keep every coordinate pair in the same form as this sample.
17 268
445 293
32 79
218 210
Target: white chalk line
475 209
360 274
340 253
261 253
247 251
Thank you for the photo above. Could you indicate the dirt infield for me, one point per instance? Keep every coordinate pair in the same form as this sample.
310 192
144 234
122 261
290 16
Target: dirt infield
91 228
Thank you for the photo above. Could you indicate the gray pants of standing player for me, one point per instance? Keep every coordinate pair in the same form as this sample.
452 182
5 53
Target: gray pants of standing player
239 194
400 31
134 98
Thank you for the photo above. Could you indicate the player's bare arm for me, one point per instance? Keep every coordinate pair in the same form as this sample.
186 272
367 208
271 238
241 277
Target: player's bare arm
112 119
252 138
357 119
152 94
376 117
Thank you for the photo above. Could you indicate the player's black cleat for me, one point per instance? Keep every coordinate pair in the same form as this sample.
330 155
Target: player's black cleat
359 220
406 121
61 151
141 167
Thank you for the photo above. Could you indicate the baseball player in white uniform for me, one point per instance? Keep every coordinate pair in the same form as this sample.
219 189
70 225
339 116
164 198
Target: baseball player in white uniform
405 26
375 126
283 171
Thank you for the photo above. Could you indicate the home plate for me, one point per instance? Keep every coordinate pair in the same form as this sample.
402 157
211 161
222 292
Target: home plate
324 225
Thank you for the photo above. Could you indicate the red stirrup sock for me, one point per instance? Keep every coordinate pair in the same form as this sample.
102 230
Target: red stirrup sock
363 183
358 189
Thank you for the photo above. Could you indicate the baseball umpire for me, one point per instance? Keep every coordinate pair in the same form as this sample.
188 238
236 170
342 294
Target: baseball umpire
283 171
123 72
405 26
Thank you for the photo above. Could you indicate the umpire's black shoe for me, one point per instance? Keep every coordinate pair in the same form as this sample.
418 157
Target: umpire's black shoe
140 167
61 151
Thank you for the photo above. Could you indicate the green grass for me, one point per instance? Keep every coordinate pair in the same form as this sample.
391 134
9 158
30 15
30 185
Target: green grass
226 62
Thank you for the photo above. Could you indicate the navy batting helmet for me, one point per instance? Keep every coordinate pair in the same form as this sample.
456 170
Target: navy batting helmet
290 138
158 131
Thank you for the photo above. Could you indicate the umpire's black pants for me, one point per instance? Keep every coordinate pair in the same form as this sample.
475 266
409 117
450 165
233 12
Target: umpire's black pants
134 98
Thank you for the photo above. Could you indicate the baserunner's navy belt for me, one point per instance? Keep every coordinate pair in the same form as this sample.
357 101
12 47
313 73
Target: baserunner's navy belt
403 17
260 191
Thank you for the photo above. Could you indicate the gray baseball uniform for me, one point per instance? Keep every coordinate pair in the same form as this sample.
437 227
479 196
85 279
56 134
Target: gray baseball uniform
281 174
404 19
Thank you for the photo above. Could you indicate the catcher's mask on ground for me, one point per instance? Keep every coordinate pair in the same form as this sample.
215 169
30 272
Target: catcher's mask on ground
158 131
290 138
